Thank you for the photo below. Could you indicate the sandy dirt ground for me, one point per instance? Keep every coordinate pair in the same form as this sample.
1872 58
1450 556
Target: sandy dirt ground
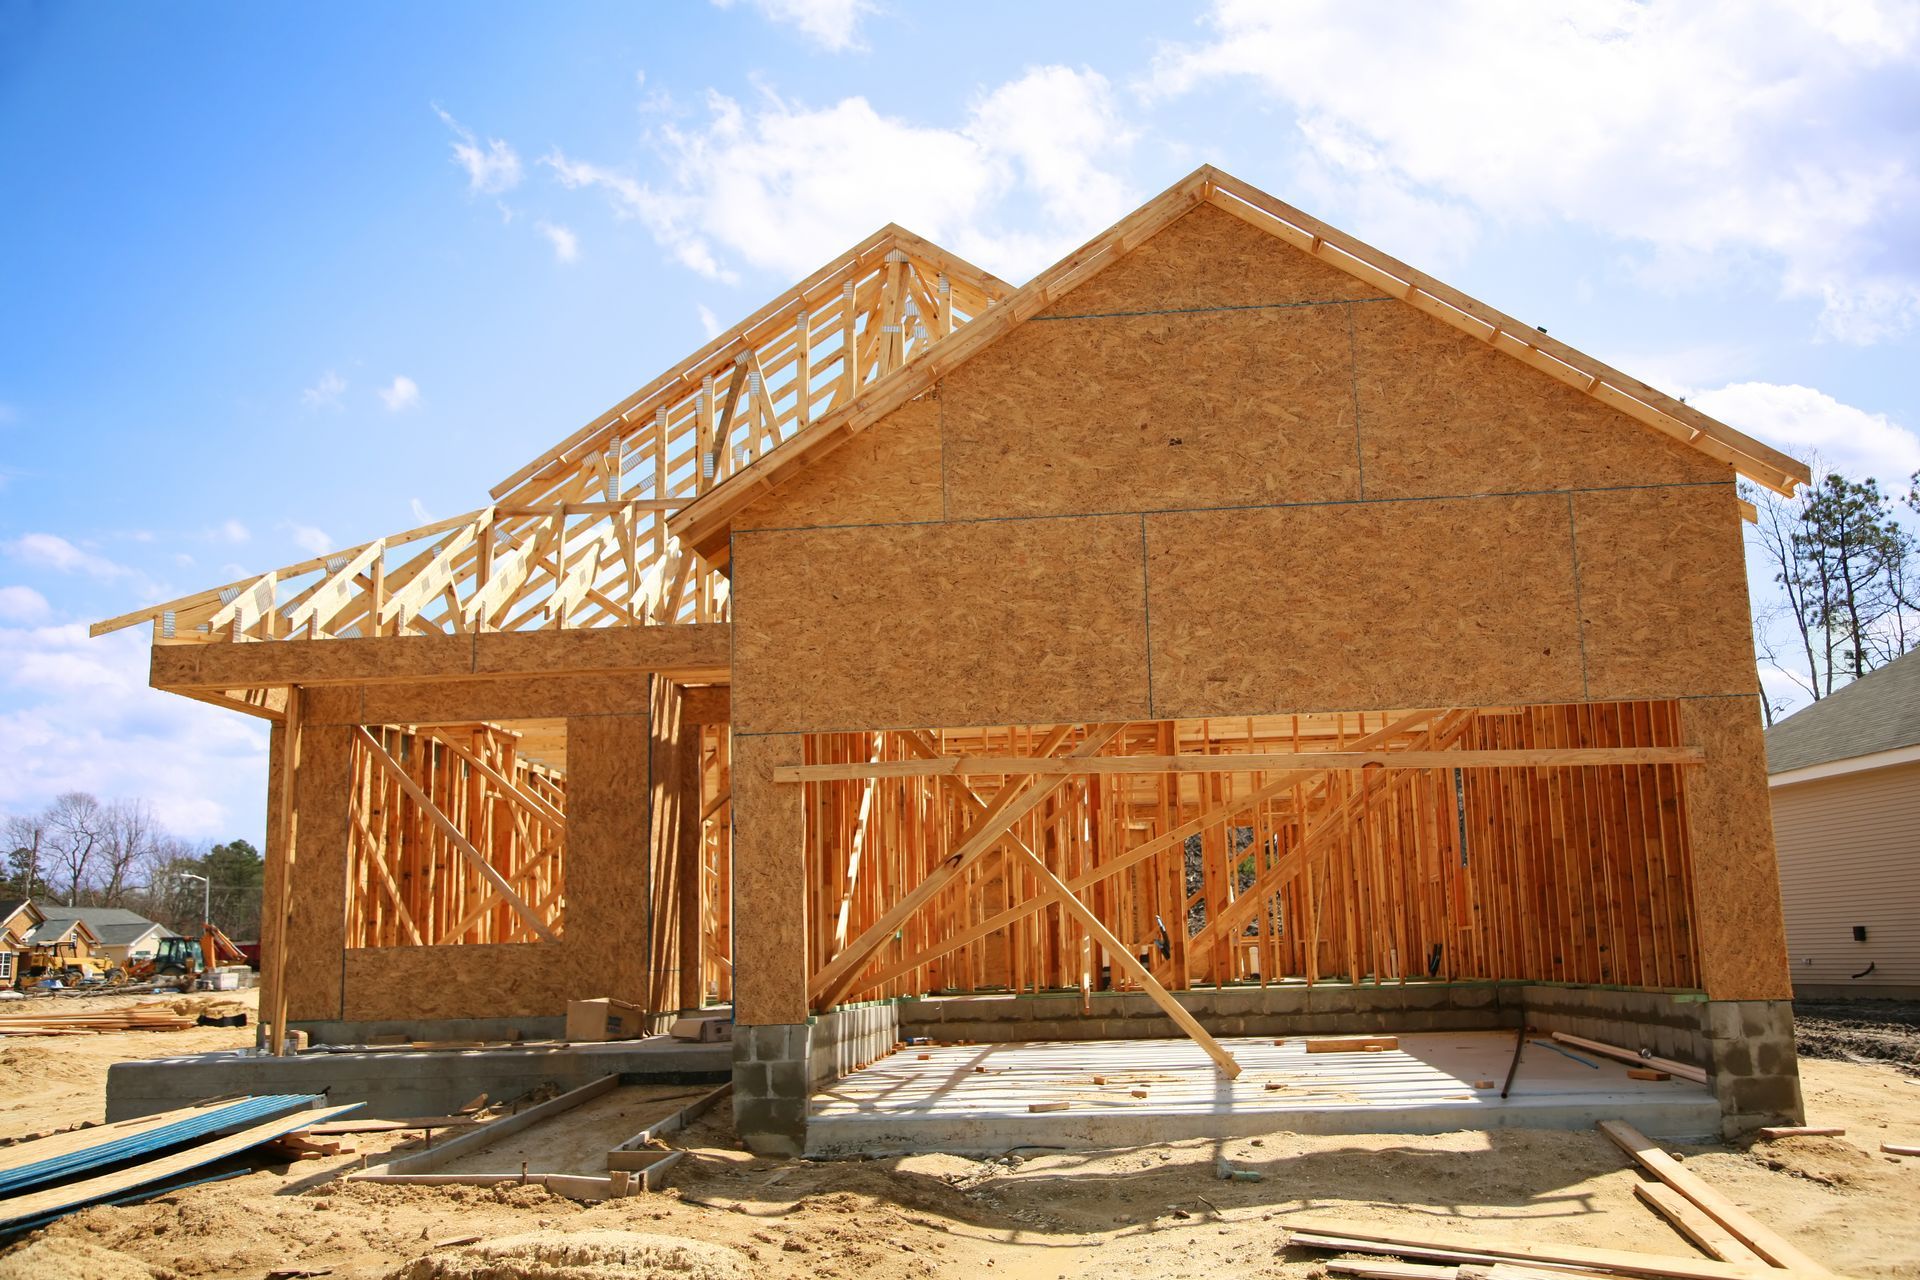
1146 1212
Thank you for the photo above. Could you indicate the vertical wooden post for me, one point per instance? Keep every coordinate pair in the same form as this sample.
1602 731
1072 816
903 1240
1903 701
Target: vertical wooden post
274 998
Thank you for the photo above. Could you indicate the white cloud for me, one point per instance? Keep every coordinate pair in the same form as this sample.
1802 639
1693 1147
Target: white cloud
566 245
78 715
834 25
709 322
1778 133
492 169
420 512
311 540
1805 422
403 393
22 604
1028 174
231 531
51 551
326 393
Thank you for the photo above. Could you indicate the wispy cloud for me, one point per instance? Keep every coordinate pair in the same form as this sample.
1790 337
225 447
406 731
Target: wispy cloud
420 512
51 551
566 245
1807 423
311 540
326 393
77 715
709 322
490 169
402 393
23 604
229 531
1031 171
1704 136
834 25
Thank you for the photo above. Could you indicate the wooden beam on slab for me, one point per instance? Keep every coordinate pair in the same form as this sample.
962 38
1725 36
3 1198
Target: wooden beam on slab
1248 762
454 835
1123 956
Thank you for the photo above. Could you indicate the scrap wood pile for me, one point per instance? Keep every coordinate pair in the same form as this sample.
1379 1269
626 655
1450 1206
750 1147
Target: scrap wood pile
1738 1246
148 1015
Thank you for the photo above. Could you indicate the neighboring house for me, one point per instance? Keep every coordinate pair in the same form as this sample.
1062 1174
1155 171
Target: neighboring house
124 935
1845 780
18 919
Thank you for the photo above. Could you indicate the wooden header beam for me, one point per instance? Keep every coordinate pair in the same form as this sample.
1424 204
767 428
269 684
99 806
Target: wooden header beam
1261 762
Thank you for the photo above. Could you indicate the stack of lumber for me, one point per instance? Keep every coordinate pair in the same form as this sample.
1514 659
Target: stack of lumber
1738 1246
44 1180
153 1015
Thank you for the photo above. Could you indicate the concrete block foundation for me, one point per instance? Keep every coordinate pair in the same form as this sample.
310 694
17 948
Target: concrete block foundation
1746 1046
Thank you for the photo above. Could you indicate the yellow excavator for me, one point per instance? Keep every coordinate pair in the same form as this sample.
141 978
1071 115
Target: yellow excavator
184 959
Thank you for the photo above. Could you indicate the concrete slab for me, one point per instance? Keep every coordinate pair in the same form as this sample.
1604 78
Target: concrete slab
398 1083
946 1103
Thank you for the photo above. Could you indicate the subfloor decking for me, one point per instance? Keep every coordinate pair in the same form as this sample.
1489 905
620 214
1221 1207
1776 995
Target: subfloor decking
975 1098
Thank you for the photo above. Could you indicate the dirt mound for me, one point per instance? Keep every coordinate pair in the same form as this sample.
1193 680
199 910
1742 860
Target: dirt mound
1831 1162
76 1260
580 1255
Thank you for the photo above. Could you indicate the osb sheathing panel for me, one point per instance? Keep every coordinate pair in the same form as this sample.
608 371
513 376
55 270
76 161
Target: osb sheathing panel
507 980
602 949
1360 607
219 665
887 474
690 652
1131 413
1209 258
769 884
683 650
994 622
506 698
273 904
318 935
1444 414
1663 592
1743 936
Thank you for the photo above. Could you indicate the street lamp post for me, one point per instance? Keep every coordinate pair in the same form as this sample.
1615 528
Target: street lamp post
206 907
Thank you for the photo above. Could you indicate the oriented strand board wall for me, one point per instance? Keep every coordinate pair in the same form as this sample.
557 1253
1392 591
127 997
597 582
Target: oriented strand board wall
939 624
1736 882
603 949
1466 602
1294 495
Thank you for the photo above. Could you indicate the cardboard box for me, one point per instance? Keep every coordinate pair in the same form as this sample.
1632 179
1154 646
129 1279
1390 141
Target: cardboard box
594 1020
702 1030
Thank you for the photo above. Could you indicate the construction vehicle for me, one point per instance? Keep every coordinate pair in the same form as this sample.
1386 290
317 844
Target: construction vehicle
182 960
62 962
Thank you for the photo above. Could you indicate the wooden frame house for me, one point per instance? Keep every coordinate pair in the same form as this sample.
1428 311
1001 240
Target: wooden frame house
1230 611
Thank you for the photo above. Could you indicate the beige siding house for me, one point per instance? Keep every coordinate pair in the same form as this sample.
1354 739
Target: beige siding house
1845 780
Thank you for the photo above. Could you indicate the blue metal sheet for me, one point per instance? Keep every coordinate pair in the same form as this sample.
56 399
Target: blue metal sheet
227 1117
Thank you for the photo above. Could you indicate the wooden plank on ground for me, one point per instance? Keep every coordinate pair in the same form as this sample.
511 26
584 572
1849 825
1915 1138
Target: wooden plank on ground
1763 1240
74 1195
1471 1246
1690 1221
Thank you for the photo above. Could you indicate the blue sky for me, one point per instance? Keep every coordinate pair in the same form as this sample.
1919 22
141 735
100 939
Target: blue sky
278 278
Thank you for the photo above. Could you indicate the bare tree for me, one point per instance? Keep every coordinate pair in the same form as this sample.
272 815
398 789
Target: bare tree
75 827
128 838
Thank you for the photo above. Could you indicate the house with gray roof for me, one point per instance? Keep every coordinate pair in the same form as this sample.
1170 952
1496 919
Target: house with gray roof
1844 778
124 935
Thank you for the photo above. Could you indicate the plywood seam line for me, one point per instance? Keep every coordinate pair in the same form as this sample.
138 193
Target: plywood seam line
1240 506
1201 311
1579 611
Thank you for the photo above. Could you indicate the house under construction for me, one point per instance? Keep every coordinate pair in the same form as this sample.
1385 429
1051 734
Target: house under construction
1232 631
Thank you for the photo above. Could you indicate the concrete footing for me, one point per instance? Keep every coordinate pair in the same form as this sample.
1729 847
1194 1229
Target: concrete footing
402 1083
777 1066
1754 1068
